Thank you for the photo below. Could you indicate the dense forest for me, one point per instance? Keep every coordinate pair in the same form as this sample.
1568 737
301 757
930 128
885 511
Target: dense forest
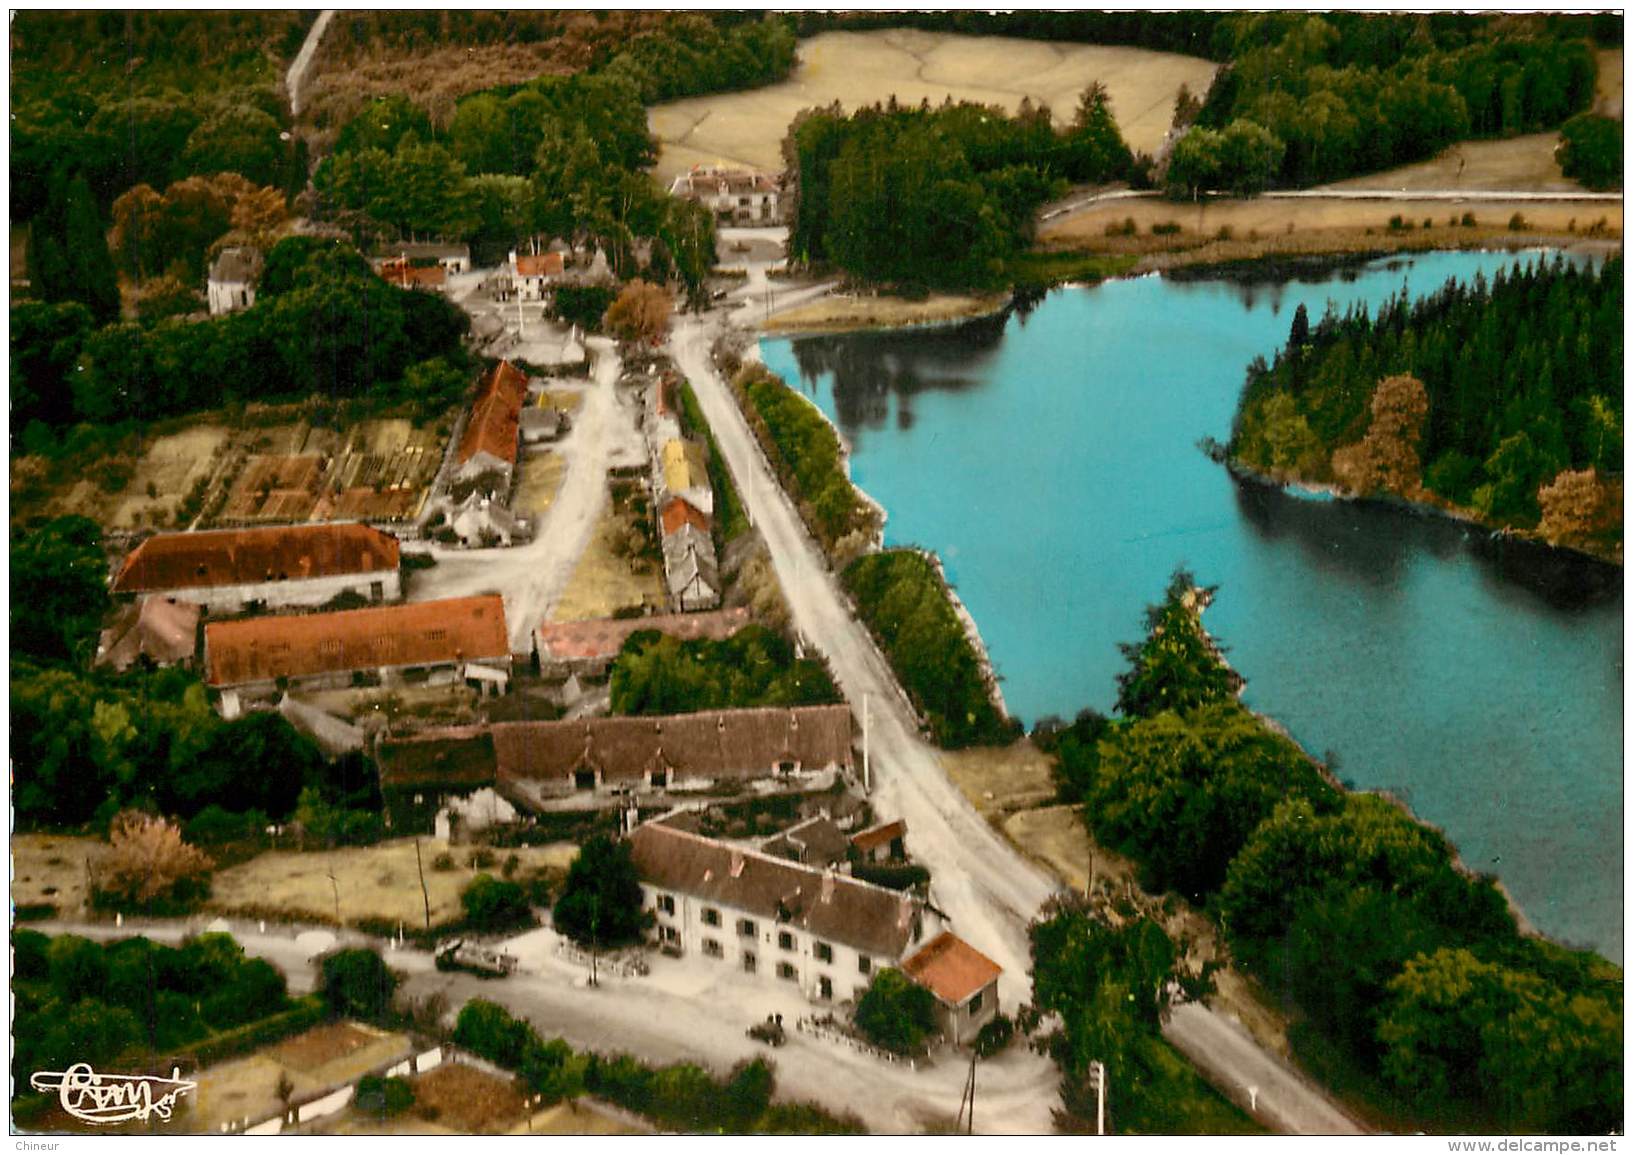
1343 903
1347 92
1504 398
938 197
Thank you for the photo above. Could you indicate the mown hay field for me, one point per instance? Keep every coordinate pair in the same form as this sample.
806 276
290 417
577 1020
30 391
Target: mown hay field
857 68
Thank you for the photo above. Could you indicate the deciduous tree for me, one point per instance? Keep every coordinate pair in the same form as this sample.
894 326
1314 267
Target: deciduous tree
147 861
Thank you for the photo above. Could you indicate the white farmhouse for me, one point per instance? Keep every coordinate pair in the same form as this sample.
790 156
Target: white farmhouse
232 280
736 196
821 932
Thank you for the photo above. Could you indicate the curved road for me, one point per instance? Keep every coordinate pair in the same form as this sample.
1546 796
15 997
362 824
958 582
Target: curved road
986 887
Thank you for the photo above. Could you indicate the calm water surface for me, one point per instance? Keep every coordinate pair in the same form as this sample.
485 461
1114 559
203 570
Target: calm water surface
1051 461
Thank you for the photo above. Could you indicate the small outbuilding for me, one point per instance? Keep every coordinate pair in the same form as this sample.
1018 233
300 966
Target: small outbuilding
964 982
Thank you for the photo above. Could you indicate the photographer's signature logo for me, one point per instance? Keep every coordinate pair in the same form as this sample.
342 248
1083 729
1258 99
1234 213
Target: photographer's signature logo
103 1099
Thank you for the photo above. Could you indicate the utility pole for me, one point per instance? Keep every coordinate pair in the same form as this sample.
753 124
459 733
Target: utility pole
867 718
966 1104
336 887
1097 1080
424 893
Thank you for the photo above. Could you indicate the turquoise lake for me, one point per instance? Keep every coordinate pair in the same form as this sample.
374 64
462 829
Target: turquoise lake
1051 460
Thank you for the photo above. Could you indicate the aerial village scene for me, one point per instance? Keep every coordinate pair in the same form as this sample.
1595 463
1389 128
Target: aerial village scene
649 573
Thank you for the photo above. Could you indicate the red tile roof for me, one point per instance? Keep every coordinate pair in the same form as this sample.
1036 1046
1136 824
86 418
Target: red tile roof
834 907
951 969
677 511
408 276
229 557
880 835
604 637
495 414
540 265
425 634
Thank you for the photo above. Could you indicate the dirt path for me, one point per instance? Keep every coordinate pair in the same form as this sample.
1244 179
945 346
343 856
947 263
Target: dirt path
532 576
303 60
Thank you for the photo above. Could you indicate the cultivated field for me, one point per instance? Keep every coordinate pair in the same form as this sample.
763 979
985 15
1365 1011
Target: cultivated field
380 882
455 1099
270 467
1519 164
857 68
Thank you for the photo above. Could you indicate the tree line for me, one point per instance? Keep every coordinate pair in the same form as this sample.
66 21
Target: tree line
78 1001
659 674
938 197
1345 93
901 598
681 1096
1343 903
1491 395
322 323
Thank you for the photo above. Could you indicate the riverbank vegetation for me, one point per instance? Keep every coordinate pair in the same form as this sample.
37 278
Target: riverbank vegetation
1500 400
1404 964
659 674
804 450
939 197
682 1096
1107 976
902 599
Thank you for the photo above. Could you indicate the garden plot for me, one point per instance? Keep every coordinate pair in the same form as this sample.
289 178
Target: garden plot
620 569
857 68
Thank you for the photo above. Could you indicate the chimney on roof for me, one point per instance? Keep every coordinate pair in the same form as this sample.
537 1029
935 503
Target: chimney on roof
737 863
904 913
828 885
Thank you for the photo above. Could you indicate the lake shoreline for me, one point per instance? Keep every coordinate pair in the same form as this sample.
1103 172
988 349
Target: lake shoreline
1446 512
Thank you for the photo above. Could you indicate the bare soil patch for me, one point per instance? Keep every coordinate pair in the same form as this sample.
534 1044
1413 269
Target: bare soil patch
998 780
839 312
379 881
467 1100
51 868
1607 100
540 481
858 68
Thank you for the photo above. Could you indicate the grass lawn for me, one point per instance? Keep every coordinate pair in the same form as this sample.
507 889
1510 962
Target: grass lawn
604 581
376 882
51 869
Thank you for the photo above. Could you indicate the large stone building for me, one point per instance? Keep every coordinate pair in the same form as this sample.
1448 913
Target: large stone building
822 932
538 761
230 570
461 639
736 196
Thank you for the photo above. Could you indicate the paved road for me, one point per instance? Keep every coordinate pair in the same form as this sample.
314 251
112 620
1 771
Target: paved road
533 576
988 889
1343 194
